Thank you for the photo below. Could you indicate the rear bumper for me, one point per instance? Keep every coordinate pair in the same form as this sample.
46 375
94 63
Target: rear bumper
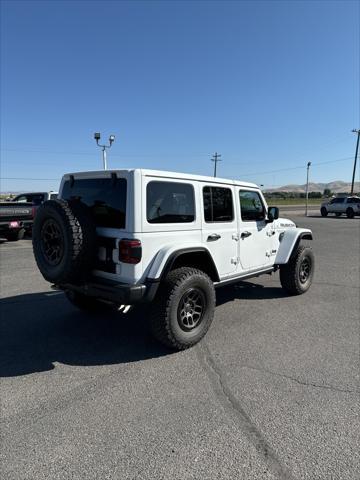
120 293
6 225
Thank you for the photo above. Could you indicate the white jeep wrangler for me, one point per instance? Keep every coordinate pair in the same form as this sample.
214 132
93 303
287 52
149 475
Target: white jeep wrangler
167 239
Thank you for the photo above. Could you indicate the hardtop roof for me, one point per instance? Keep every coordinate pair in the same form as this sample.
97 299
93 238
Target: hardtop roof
163 174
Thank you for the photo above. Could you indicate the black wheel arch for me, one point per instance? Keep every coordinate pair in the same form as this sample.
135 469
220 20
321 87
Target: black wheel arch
198 257
302 236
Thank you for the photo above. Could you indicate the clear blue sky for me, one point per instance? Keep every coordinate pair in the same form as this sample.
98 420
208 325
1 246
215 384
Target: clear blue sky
268 84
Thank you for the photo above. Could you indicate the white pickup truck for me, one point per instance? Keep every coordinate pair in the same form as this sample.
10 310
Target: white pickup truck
166 239
339 205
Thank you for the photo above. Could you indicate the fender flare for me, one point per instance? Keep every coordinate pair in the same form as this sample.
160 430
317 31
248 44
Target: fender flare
165 260
161 268
290 241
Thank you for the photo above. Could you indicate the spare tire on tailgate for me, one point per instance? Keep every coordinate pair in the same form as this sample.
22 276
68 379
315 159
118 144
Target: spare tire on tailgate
64 241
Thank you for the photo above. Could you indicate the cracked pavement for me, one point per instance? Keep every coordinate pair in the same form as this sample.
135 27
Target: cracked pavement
272 392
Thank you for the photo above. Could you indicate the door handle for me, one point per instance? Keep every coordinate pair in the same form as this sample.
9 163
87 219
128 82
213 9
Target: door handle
213 237
245 234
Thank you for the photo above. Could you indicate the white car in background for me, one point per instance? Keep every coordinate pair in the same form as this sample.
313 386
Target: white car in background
339 205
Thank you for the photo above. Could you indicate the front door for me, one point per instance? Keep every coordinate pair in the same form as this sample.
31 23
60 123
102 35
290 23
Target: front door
219 229
255 234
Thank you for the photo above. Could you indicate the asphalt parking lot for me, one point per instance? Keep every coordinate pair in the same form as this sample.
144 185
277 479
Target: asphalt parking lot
271 393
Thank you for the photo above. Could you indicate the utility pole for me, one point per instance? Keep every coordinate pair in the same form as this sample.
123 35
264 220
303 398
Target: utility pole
215 158
307 188
356 154
97 137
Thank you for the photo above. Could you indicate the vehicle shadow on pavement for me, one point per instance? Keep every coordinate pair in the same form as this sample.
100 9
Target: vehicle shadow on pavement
42 328
39 329
248 291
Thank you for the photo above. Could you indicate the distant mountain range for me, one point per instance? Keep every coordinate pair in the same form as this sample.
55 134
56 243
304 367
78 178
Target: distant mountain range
336 187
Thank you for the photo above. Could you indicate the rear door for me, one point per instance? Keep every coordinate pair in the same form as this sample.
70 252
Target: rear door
169 216
338 206
219 226
255 234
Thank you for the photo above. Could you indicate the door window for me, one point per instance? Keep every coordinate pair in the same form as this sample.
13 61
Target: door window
252 208
218 204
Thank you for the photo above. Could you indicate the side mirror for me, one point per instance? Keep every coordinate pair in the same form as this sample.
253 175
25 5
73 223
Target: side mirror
273 214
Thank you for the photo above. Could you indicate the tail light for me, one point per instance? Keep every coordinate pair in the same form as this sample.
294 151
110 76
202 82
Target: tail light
33 211
130 250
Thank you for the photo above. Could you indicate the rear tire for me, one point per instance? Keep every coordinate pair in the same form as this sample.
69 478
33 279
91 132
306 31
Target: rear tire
297 275
183 309
350 213
15 236
323 212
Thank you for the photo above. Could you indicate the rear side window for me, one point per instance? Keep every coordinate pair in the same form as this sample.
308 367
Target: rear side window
252 208
169 202
105 198
218 204
353 200
36 199
20 199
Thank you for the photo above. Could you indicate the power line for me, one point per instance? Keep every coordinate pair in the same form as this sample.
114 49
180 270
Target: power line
27 178
120 155
295 168
244 175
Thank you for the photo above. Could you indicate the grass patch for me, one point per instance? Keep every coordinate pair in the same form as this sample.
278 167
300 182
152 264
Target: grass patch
276 202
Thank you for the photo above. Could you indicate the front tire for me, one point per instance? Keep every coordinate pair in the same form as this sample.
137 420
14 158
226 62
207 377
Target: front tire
323 212
350 213
183 308
297 275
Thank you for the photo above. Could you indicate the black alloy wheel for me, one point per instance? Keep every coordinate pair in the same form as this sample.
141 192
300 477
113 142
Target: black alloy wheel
305 269
52 242
191 309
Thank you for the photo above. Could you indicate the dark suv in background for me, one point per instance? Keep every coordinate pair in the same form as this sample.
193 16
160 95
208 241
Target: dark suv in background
17 215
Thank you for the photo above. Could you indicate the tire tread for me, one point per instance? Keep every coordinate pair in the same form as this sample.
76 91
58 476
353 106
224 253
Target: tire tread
288 278
160 310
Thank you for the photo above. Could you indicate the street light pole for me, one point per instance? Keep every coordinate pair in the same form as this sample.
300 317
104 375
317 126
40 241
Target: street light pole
97 137
307 188
104 158
356 154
